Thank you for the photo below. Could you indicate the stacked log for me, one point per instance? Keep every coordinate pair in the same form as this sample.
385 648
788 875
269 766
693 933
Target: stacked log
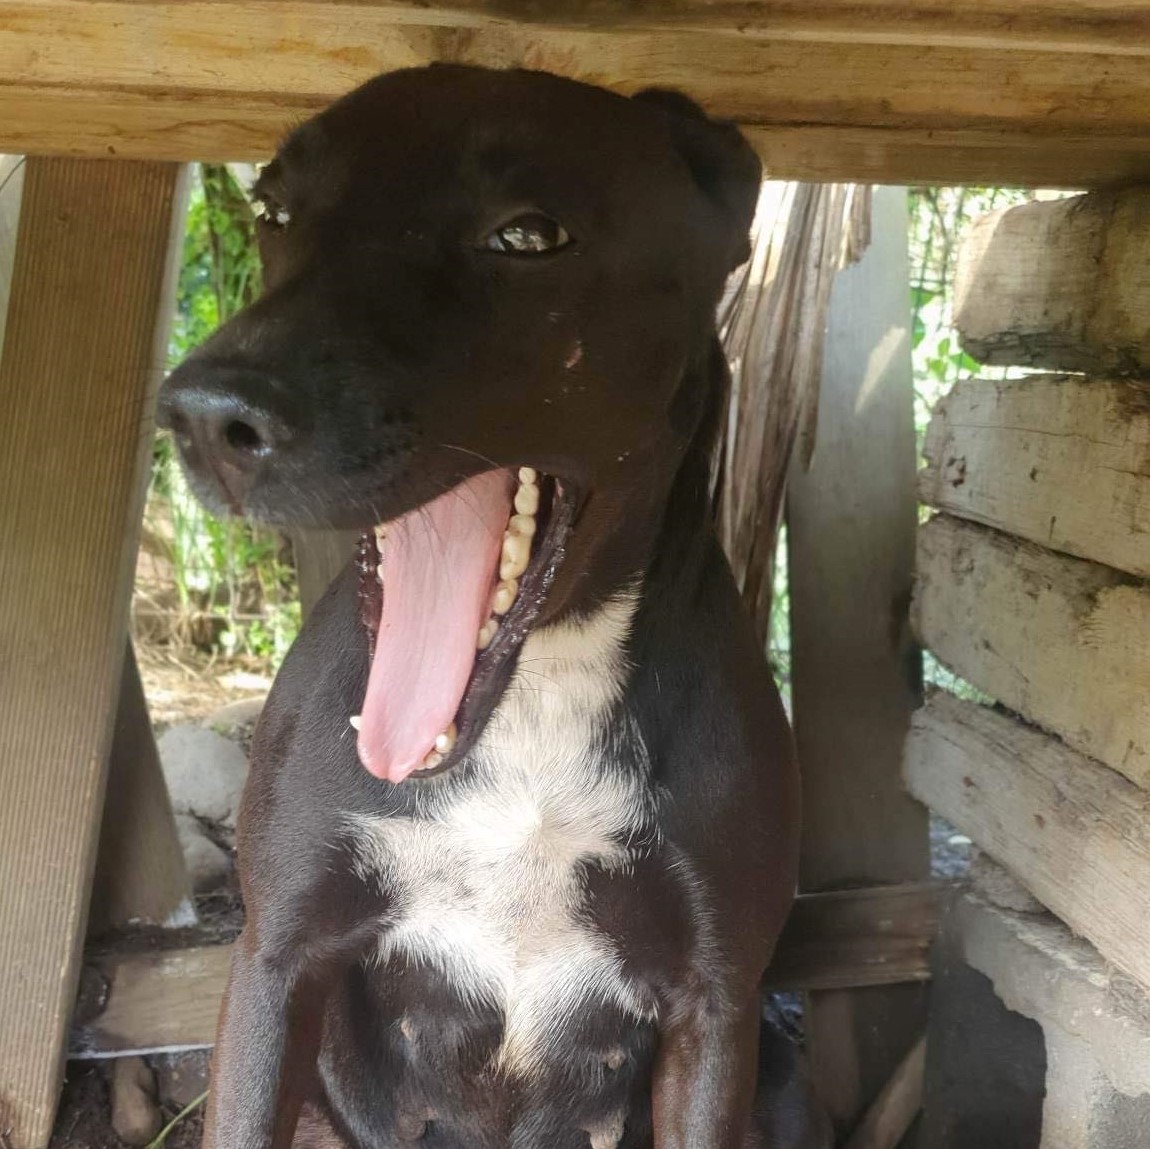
1033 585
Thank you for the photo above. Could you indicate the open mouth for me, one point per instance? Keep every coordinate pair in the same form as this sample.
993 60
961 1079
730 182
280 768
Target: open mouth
450 592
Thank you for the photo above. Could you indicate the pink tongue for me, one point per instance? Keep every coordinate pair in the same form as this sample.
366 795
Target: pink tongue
439 569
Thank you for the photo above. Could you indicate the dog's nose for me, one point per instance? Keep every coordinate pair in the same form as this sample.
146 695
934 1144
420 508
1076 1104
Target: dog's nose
224 425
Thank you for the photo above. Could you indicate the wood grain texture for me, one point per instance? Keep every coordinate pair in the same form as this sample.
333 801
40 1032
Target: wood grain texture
851 522
140 874
83 347
1062 642
896 1107
849 939
1075 833
1063 461
170 999
1062 284
319 557
222 79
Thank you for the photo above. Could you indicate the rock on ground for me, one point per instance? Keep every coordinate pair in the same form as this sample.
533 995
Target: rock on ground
205 773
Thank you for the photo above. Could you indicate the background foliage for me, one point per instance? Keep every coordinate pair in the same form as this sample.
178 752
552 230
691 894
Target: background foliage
234 582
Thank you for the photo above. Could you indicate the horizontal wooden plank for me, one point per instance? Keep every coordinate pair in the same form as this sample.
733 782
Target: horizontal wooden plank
853 938
1076 834
150 1000
1061 460
170 999
827 89
1060 284
1061 641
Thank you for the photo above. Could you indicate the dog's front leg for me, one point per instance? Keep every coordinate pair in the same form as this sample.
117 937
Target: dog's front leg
265 1051
704 1080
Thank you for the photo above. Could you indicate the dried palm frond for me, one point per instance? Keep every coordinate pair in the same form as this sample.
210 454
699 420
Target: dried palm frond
772 322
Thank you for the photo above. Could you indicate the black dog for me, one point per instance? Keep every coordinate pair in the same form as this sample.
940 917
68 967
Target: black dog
521 826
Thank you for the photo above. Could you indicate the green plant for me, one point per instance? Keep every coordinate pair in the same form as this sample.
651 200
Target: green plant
234 583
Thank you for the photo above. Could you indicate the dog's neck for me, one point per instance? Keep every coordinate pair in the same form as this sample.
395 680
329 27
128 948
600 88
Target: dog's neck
659 524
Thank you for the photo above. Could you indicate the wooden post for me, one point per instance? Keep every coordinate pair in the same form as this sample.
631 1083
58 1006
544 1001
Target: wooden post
140 874
91 296
319 557
856 677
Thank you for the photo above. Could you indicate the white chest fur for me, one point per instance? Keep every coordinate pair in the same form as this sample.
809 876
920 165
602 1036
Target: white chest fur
488 882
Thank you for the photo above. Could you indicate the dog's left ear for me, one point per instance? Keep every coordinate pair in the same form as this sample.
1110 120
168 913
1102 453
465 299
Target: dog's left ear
724 165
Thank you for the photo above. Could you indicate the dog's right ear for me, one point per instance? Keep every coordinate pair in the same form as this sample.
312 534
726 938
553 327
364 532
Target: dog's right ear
723 164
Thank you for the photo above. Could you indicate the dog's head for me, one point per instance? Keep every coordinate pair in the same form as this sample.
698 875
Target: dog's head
489 302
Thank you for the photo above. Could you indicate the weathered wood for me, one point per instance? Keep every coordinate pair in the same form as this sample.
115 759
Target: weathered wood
140 874
169 999
1061 460
155 1000
851 523
85 338
319 557
1063 284
1042 971
1076 834
1061 641
849 939
1011 92
896 1106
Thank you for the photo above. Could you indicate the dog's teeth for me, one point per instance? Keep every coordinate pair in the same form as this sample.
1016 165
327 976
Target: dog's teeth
486 634
380 537
528 475
527 499
445 743
354 721
516 555
379 572
433 759
523 525
504 596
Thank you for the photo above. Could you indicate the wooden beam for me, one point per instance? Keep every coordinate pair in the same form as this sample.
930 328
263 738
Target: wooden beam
1060 284
319 557
170 999
1060 641
967 89
851 522
1076 834
1014 455
140 874
84 344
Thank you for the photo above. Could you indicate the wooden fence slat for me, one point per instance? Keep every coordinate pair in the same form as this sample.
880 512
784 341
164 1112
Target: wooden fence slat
84 343
851 522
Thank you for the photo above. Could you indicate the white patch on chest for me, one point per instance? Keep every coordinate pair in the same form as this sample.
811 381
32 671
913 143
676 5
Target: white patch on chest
488 884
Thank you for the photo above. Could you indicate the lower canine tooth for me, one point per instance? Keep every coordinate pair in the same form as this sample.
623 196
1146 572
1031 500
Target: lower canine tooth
354 721
445 743
486 634
504 596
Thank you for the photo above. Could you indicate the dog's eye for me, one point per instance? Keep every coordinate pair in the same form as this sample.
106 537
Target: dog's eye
532 234
270 212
